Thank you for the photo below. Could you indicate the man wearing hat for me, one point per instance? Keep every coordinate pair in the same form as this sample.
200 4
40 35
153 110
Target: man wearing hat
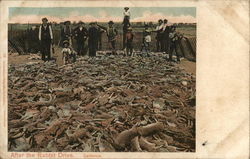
111 33
93 39
165 31
126 24
174 37
126 12
146 40
66 32
159 36
81 34
45 37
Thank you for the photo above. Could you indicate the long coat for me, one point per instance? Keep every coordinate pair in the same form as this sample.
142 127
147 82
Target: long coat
93 40
80 35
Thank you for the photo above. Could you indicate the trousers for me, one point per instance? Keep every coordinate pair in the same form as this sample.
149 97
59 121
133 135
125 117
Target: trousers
45 49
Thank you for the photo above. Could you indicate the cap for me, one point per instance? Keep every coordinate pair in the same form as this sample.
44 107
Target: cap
111 22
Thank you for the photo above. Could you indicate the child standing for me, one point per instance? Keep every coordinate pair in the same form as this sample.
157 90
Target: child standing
146 41
69 55
129 42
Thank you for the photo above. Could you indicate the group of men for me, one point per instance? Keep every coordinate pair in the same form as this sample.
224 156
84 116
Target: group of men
80 34
165 37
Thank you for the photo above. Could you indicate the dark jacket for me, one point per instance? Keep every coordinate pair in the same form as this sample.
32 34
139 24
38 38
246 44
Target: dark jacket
66 32
45 33
80 35
93 35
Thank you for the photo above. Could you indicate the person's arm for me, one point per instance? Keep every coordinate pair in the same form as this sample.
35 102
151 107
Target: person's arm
163 28
75 33
62 32
102 27
116 32
39 33
62 53
160 28
86 32
50 32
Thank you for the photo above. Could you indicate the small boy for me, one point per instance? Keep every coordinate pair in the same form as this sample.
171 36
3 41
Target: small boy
146 42
129 41
69 55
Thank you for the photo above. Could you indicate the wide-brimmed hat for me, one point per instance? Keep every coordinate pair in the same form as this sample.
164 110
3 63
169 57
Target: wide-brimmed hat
44 19
160 20
126 7
65 42
66 22
111 22
80 22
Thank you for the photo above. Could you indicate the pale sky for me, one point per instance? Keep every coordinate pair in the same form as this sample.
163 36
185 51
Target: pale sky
101 14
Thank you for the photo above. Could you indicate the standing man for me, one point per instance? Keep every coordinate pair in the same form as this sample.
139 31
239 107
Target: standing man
93 39
126 24
174 37
66 32
100 32
159 36
111 33
45 37
129 42
126 13
81 34
166 31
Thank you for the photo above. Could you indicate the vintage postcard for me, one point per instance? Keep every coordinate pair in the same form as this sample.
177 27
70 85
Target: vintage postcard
124 79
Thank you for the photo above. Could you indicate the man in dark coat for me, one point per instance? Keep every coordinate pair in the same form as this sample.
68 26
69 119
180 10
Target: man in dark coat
66 32
93 39
45 38
81 34
166 41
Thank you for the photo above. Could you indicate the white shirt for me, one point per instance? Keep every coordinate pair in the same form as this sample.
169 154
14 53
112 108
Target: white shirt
80 28
148 38
159 27
164 26
66 50
40 31
126 13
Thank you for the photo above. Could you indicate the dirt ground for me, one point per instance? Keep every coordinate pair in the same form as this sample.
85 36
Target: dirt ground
14 58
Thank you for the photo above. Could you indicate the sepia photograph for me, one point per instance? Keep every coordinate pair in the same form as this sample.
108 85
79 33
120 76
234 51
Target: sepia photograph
102 79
